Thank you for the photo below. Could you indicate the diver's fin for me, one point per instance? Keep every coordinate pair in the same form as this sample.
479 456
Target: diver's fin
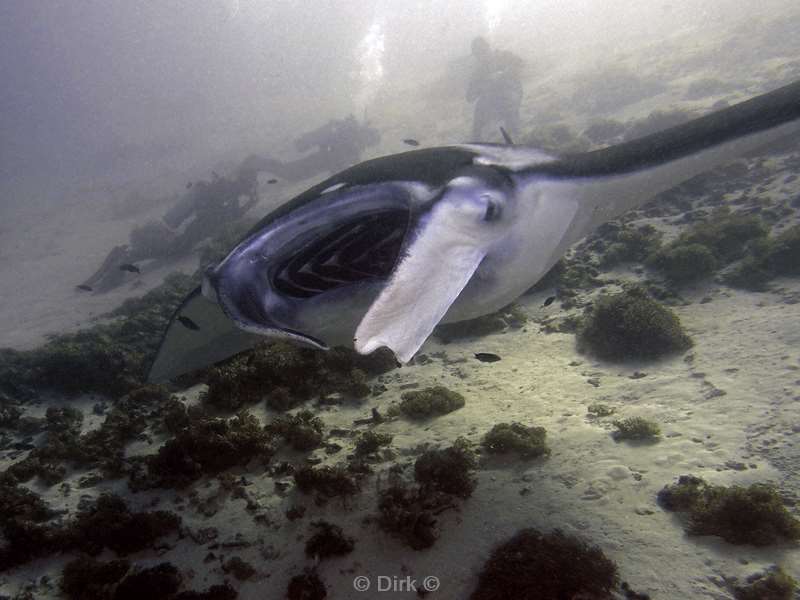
423 286
506 137
199 334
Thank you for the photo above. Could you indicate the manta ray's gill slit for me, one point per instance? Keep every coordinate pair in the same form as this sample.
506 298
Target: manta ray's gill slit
359 249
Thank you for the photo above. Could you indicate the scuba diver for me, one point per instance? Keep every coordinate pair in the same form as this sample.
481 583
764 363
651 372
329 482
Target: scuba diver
495 87
338 143
208 207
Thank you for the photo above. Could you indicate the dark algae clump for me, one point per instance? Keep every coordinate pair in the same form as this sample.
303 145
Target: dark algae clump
239 568
409 511
111 524
303 431
767 259
552 566
630 324
740 515
102 448
721 239
528 442
370 441
285 376
160 581
775 585
327 481
725 233
449 470
684 263
430 402
328 540
628 244
85 578
207 446
306 586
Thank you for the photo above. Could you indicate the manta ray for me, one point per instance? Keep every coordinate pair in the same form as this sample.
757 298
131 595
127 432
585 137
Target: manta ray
380 253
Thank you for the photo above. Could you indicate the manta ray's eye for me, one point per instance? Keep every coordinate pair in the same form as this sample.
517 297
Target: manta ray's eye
493 211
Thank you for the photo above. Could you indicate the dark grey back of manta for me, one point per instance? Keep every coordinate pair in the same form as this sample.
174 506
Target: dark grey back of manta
384 250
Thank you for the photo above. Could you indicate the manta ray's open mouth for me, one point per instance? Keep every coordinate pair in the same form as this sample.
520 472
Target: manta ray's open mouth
359 249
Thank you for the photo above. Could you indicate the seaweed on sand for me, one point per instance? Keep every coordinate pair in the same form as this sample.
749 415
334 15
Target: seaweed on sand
102 448
409 511
429 402
717 241
629 244
109 523
636 428
449 470
287 375
206 447
329 540
630 324
86 578
684 263
552 565
774 585
306 586
303 431
371 441
528 442
326 481
740 515
160 581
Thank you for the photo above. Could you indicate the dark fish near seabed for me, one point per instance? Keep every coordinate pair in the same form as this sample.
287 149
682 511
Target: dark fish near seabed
411 142
549 301
188 323
83 287
506 137
129 268
189 185
272 181
486 357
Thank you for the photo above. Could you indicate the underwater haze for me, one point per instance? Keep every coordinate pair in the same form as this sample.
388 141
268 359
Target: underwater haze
625 428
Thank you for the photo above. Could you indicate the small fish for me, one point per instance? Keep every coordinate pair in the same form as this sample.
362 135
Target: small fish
486 357
130 268
189 185
549 301
84 287
188 323
272 181
411 142
506 137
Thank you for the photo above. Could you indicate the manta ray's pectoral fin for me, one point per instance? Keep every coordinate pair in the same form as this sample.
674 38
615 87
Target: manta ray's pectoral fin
608 182
199 334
